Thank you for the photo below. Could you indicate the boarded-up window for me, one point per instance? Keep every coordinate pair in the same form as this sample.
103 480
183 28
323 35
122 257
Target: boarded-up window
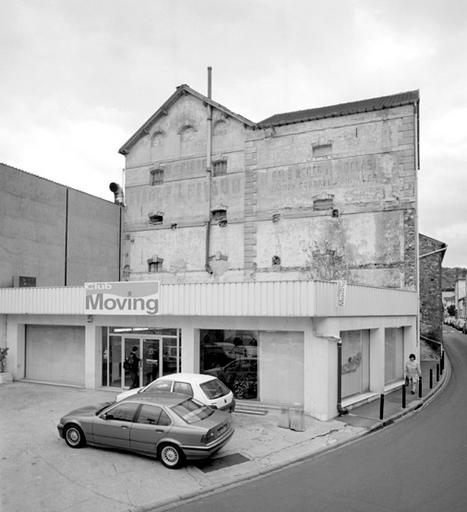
219 168
156 176
322 150
325 203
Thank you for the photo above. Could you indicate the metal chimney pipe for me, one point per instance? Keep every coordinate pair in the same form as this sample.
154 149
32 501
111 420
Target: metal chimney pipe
209 82
209 171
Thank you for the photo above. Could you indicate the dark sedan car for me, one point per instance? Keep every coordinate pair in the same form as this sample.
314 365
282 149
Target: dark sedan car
169 426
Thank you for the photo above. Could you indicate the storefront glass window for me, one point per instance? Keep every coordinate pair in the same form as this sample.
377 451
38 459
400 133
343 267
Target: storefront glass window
231 356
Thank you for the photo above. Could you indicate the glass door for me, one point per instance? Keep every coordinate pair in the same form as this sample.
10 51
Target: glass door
132 376
170 356
114 357
150 367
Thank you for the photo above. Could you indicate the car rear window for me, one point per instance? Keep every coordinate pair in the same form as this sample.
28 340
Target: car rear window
160 385
192 411
214 389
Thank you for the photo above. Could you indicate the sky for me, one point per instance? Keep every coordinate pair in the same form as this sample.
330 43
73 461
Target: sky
79 77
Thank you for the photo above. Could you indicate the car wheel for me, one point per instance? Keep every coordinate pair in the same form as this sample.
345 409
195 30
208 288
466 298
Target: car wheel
74 436
171 456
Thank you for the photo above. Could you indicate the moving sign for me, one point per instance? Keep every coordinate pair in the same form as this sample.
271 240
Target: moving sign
122 298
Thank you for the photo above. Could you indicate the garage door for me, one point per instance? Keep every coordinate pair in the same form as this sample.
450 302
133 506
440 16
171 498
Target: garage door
55 354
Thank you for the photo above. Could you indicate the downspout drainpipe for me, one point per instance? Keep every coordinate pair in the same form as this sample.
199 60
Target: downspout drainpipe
209 171
340 409
417 250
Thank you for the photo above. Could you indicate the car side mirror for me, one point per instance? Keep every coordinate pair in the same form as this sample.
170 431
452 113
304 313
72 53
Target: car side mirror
109 416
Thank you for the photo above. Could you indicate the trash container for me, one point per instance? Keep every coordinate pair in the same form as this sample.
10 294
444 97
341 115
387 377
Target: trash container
297 418
284 418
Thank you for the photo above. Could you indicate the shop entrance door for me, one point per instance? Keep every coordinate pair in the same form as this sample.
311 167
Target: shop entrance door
158 356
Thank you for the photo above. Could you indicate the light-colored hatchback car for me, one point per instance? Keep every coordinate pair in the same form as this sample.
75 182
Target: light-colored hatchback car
207 389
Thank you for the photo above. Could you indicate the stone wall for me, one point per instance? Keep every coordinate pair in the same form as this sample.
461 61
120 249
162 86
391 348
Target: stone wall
327 199
431 305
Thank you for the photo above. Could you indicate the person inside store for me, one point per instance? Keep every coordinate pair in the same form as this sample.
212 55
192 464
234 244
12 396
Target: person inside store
134 360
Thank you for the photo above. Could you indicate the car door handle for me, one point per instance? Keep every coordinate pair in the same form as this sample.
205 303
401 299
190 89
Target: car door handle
159 430
124 426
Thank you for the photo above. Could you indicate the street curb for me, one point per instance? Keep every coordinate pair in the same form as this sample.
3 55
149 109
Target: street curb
417 404
182 499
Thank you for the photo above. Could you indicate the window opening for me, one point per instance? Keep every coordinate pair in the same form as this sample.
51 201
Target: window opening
219 168
322 150
155 265
156 218
156 176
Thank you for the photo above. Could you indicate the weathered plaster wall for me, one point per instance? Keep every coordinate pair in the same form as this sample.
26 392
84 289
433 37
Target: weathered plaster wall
362 165
177 144
37 241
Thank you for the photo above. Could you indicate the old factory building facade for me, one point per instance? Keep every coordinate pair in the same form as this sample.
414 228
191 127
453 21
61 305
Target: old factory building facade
327 193
281 256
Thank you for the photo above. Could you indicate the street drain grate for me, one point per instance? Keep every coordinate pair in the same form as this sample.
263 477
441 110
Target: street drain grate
223 462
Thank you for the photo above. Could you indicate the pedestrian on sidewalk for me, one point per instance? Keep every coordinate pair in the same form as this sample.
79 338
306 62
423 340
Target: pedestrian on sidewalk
412 373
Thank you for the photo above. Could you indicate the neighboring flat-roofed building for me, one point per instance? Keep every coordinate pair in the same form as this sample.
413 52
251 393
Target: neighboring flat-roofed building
53 235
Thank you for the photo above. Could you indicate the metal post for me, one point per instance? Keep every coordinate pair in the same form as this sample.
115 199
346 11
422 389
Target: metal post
381 407
431 378
437 372
403 397
420 387
442 362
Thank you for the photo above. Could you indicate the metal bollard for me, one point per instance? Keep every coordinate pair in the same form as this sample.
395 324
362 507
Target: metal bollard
297 418
420 381
431 378
442 363
381 407
284 418
404 404
437 372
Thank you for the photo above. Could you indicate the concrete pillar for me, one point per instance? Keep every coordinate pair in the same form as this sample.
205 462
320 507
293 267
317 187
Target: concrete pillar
410 343
92 356
320 369
190 350
15 341
377 360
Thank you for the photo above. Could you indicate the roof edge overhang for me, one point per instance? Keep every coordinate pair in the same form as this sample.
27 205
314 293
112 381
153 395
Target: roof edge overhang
343 109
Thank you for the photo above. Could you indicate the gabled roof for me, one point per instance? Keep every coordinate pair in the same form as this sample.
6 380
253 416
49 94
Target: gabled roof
162 111
342 109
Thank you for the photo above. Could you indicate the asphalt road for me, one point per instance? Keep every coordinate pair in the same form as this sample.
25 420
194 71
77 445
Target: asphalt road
417 464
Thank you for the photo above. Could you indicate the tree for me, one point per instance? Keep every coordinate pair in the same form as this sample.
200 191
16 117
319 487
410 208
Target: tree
452 310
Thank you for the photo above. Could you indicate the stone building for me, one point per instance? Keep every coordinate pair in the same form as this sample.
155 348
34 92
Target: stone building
280 255
431 303
326 193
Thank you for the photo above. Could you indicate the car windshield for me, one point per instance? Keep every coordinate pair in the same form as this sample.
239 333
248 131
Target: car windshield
103 406
192 411
214 389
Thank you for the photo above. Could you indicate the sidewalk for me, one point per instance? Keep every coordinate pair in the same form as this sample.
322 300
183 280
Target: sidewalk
39 472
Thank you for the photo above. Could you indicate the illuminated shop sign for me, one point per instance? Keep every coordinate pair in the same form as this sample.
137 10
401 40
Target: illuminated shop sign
122 298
